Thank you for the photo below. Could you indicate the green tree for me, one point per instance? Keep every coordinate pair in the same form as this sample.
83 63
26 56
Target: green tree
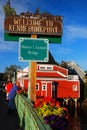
11 72
8 11
64 64
2 77
37 12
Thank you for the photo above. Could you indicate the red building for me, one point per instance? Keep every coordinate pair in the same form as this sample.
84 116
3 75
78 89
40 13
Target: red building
53 81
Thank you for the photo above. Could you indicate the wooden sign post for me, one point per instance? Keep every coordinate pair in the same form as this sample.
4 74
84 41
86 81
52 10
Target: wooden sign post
32 93
33 50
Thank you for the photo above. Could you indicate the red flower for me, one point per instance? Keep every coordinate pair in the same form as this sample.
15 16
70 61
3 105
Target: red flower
37 103
57 104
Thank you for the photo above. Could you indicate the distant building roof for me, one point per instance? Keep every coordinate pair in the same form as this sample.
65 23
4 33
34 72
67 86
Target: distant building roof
77 69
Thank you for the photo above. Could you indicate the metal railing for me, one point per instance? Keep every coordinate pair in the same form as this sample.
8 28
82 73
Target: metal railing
28 118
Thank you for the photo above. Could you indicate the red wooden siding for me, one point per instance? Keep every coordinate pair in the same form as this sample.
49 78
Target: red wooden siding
60 69
65 89
49 90
26 84
38 92
49 74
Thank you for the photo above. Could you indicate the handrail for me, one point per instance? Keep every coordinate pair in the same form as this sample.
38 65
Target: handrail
29 120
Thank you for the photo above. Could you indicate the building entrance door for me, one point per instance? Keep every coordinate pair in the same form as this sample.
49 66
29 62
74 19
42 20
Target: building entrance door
54 89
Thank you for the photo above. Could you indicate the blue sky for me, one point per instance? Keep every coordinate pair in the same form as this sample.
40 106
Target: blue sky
74 39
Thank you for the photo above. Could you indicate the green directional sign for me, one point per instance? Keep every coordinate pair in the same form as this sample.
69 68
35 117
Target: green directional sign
31 49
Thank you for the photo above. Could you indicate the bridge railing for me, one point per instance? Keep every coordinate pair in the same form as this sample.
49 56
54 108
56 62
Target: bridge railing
28 118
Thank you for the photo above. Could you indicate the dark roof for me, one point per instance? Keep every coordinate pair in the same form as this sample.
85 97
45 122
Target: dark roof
51 60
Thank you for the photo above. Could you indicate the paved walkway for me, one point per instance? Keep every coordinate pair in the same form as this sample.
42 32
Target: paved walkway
7 122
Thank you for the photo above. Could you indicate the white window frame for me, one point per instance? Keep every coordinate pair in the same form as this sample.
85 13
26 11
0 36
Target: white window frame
45 87
46 67
49 67
38 87
74 88
42 67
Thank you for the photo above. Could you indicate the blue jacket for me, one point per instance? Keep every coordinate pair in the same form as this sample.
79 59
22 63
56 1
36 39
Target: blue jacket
12 93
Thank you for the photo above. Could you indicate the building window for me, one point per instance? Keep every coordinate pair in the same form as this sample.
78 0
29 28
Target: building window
74 88
43 87
37 86
45 67
49 68
42 68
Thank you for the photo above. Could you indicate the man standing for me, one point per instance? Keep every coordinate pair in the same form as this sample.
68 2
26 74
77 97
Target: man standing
11 96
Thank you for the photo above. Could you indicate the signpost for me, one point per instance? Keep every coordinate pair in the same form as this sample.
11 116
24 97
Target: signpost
31 49
33 25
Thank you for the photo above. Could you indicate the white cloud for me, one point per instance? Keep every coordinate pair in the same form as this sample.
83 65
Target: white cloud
72 32
8 46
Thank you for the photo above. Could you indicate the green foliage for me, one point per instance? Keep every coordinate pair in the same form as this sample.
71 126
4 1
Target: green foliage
64 64
2 77
10 71
37 12
8 11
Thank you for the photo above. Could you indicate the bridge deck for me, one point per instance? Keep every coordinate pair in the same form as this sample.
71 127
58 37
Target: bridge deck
7 122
